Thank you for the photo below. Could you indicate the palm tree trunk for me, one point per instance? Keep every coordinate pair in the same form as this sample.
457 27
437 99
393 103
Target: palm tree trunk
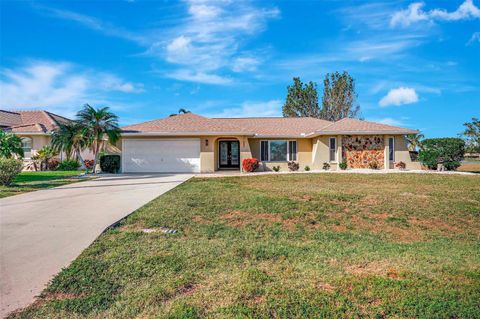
80 159
96 150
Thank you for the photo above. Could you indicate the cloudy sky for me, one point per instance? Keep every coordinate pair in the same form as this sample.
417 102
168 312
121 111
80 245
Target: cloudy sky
416 64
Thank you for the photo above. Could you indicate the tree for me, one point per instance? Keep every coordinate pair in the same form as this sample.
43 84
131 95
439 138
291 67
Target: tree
472 135
302 100
100 127
71 139
339 97
44 155
180 111
414 141
10 145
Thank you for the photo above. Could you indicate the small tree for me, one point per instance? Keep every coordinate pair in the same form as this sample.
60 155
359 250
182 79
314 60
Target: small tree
71 138
414 141
472 135
302 100
44 155
446 151
339 97
10 145
9 168
100 127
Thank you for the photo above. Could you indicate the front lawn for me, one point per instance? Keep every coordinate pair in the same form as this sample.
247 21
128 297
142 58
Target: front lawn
31 181
285 246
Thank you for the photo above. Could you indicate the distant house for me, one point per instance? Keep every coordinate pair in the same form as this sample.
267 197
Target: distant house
34 127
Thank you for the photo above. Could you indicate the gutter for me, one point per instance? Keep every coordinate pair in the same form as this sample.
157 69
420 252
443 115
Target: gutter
185 133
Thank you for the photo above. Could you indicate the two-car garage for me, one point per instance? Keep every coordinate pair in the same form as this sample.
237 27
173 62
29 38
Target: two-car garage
176 155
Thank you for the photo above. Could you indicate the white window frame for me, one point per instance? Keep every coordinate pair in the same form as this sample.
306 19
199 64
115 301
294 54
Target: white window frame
330 149
288 150
391 150
31 146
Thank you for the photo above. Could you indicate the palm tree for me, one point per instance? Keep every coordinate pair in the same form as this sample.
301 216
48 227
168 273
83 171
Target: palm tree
181 111
44 155
70 138
10 144
99 126
414 141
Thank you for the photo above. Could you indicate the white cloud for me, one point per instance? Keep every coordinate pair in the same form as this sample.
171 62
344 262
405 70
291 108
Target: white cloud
252 109
245 64
399 96
474 38
60 86
199 77
414 13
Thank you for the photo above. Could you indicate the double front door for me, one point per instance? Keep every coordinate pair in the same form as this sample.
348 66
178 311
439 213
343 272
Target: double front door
229 154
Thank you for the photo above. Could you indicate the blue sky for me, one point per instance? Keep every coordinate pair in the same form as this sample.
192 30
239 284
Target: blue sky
416 64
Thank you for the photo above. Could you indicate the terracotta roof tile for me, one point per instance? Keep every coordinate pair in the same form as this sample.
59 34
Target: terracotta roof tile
354 126
189 123
31 121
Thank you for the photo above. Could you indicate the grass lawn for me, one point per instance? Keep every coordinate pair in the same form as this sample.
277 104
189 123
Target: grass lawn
470 165
31 181
285 246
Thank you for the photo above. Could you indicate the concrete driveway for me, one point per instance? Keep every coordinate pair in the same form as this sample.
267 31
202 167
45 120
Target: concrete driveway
41 232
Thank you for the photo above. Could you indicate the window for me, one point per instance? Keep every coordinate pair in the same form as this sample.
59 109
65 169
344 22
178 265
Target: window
333 149
27 145
391 149
278 151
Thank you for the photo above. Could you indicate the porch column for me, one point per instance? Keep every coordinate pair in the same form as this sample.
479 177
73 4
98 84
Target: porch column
386 162
245 151
339 151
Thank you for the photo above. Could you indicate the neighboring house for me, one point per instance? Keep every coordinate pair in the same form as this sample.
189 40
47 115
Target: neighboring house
34 127
193 143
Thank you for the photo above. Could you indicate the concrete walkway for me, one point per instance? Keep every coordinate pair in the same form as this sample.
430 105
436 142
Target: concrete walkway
41 232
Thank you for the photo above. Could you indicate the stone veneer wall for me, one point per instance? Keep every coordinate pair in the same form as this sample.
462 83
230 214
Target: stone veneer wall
358 151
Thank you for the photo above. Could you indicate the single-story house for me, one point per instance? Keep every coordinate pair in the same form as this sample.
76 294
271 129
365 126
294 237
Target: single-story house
35 128
194 143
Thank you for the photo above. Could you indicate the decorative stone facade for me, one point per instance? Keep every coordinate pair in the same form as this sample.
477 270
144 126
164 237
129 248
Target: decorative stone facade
358 151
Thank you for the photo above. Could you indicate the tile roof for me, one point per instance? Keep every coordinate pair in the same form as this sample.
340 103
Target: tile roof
353 126
192 124
30 121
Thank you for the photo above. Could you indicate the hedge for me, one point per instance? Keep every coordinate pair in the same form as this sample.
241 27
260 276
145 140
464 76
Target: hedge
446 151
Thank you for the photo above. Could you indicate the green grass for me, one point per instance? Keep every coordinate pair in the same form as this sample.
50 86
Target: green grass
31 181
285 246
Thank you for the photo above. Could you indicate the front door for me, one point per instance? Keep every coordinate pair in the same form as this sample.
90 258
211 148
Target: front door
229 153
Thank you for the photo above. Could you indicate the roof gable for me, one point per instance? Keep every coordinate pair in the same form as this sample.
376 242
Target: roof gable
31 121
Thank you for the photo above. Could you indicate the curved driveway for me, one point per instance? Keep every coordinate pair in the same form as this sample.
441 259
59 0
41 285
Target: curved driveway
41 232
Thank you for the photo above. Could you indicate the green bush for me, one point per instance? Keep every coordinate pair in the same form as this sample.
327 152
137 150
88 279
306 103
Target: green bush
68 165
276 168
307 168
446 151
110 163
9 168
343 165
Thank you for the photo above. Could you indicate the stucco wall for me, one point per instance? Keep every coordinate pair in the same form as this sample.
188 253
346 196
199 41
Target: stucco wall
38 141
402 154
304 153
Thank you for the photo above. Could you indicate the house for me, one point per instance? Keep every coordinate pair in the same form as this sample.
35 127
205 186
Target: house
194 143
33 127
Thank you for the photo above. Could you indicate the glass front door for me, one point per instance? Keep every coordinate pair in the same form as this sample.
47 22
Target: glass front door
229 154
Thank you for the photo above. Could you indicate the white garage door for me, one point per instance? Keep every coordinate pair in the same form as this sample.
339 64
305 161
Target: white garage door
161 156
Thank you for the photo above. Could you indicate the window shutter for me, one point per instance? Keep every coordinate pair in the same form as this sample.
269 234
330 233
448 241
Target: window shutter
264 151
292 147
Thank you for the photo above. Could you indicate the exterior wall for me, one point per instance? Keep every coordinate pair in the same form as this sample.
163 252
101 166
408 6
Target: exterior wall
38 141
402 154
321 153
304 153
359 151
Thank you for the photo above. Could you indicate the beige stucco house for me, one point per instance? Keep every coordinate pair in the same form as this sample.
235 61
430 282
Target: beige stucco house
34 127
193 143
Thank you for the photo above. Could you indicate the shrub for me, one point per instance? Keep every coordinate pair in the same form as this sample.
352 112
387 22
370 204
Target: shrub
326 166
446 151
293 166
9 168
373 165
250 164
110 163
307 168
343 165
400 165
52 164
88 163
276 168
68 165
